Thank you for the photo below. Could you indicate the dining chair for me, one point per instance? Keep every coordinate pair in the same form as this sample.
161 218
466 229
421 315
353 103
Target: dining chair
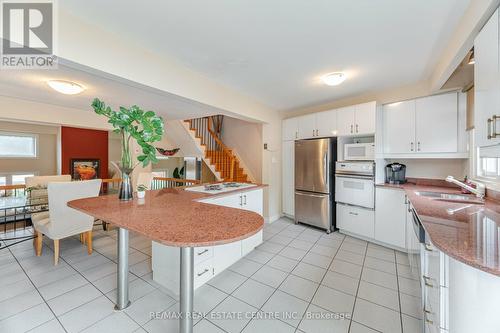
62 221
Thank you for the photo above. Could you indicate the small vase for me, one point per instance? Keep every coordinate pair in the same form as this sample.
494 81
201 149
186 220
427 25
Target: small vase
125 193
141 194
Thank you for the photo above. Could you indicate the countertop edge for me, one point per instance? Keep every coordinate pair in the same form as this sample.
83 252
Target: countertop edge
199 200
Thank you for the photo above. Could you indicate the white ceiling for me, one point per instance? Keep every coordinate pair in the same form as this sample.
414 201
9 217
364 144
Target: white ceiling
275 51
31 85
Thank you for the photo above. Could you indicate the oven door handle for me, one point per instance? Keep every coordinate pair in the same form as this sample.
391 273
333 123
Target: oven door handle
355 176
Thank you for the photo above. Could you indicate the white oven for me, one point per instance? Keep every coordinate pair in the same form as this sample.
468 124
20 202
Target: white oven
355 184
359 151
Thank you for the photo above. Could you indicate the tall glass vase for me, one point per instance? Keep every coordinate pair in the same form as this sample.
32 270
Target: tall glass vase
126 168
126 193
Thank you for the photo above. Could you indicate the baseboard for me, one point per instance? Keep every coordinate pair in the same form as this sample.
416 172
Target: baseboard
271 219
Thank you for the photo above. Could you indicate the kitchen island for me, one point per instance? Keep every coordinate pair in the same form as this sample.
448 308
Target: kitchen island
176 218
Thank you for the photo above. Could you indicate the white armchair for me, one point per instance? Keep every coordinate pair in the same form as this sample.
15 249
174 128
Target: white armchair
44 180
62 221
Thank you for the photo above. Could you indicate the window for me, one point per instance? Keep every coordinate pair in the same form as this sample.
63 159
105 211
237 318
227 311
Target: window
18 145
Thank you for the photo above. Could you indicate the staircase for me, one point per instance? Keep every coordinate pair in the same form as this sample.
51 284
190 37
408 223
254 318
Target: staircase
217 154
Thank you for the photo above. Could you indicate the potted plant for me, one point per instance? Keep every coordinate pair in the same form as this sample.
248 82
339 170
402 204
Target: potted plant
141 191
145 127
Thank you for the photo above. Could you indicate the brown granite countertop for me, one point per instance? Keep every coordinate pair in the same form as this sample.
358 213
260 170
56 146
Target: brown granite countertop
469 233
176 217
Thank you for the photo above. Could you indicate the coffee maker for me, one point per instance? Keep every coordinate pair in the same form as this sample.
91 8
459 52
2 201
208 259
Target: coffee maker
395 173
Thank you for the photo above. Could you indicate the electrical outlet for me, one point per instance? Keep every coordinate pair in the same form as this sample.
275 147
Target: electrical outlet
265 146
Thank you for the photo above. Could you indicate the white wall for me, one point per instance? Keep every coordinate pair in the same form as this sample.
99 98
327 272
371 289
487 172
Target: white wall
246 140
45 163
434 168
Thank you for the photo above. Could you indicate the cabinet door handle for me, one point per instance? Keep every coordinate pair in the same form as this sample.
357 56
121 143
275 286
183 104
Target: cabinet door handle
352 128
427 320
357 131
411 146
205 271
426 281
492 127
241 200
317 132
296 134
418 146
202 252
352 213
245 197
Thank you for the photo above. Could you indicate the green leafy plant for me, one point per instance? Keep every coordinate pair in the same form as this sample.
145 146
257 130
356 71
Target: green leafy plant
141 188
134 123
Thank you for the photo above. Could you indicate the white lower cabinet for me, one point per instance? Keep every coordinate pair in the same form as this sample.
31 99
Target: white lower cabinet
356 220
251 200
386 224
390 216
225 255
208 260
435 284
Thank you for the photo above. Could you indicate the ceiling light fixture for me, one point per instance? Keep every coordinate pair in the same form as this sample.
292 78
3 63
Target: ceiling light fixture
66 87
333 79
472 61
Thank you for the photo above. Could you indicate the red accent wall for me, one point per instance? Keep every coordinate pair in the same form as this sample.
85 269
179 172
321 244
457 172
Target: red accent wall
84 143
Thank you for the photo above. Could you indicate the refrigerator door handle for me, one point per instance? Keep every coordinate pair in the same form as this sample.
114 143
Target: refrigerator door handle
311 195
325 168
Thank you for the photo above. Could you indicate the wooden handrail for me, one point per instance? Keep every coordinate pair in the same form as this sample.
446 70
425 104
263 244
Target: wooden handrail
178 180
225 150
107 181
216 138
12 187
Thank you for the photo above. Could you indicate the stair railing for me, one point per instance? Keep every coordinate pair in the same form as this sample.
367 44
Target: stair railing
219 154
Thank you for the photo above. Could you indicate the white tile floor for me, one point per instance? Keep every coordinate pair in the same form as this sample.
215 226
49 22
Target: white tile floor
306 278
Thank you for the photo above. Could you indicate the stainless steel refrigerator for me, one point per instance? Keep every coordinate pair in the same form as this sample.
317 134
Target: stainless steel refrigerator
314 182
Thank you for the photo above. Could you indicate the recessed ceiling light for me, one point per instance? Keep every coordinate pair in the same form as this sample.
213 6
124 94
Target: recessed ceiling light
66 87
333 79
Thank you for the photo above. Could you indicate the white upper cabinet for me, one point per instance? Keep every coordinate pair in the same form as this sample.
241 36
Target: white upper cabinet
487 83
352 120
437 124
365 118
326 123
290 129
346 120
399 127
307 126
423 127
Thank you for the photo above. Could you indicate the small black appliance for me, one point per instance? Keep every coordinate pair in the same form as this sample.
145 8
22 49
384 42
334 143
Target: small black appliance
395 173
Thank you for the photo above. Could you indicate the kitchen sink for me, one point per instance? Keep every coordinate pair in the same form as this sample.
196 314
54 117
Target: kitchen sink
449 197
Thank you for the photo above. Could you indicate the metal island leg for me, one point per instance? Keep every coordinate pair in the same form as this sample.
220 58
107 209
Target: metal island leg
186 290
122 300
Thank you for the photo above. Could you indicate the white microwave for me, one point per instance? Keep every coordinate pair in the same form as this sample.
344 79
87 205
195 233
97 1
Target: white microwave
359 151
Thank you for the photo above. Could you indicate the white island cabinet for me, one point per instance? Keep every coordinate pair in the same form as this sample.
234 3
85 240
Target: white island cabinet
208 260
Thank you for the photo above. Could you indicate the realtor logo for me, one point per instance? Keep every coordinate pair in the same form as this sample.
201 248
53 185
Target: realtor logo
27 35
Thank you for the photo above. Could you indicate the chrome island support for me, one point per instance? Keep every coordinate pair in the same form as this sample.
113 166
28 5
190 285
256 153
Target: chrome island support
186 290
122 300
